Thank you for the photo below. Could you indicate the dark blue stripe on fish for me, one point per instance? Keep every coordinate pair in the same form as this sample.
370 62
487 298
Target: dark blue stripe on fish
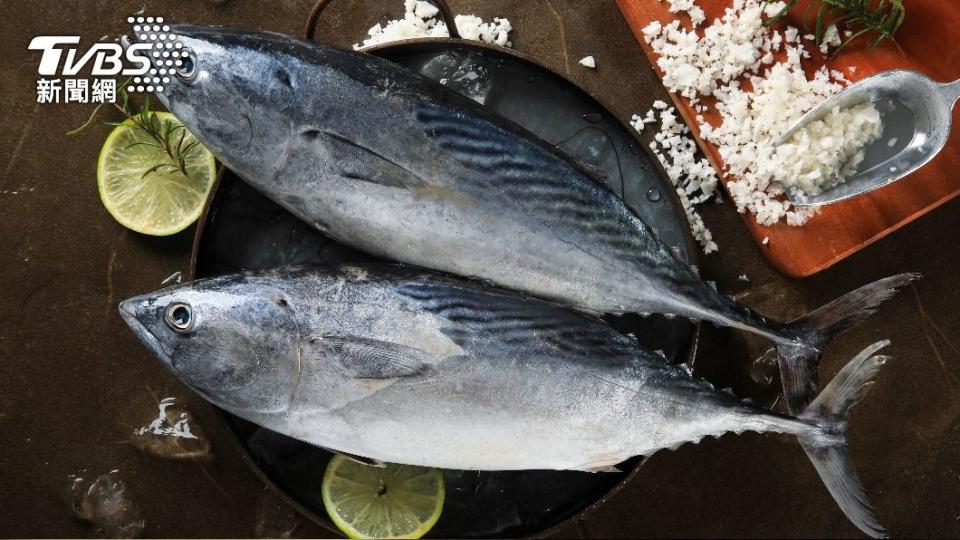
547 188
474 315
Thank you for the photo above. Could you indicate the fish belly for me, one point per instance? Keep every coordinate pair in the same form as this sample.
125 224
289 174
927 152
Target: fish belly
557 417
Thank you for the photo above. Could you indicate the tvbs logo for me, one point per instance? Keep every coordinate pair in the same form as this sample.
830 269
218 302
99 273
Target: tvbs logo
145 63
107 58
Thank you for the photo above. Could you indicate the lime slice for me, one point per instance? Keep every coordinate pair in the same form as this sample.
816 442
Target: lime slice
163 201
395 501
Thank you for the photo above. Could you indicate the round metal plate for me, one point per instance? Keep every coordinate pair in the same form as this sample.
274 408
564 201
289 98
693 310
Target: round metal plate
242 230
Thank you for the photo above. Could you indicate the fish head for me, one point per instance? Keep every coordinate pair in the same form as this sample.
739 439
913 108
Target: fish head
234 340
230 87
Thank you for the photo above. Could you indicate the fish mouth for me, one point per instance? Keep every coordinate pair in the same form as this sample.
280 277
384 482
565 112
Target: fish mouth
127 310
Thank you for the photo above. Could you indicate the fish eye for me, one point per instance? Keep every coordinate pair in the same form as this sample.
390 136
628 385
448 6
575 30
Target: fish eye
179 316
188 65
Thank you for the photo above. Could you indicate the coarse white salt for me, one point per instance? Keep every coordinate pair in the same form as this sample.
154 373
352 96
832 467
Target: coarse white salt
772 9
473 27
695 12
162 424
737 48
588 61
420 20
694 179
693 65
831 38
825 151
838 76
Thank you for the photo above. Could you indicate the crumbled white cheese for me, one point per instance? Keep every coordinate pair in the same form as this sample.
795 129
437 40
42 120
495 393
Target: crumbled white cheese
420 20
766 240
588 61
729 51
693 177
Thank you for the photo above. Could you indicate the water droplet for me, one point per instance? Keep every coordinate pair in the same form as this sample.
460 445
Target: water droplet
593 118
653 194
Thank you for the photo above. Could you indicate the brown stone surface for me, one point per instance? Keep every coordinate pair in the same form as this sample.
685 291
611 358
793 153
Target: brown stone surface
74 381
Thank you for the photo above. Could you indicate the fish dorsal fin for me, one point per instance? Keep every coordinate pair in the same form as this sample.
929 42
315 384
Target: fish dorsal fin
358 162
370 359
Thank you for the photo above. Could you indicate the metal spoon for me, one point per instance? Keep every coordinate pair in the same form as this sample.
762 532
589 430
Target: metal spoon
916 113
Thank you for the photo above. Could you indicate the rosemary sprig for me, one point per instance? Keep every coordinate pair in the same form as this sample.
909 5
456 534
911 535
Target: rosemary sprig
167 137
879 17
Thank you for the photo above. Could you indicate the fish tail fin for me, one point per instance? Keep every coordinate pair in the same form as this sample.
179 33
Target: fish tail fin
799 358
826 444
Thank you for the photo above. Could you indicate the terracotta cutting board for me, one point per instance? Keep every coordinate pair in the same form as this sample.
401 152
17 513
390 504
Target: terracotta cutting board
930 43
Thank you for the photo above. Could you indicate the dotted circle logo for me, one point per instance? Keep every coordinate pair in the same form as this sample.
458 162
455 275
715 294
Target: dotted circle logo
166 53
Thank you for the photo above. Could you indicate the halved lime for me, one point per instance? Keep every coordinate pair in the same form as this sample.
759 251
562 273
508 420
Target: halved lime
163 201
395 501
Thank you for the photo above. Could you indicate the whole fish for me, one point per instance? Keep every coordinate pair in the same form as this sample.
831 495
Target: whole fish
407 366
398 165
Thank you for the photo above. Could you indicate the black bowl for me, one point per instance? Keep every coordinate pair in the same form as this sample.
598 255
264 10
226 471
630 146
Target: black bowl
243 230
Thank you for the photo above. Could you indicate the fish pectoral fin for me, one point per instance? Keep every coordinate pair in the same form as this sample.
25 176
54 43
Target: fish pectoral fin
357 162
373 385
374 363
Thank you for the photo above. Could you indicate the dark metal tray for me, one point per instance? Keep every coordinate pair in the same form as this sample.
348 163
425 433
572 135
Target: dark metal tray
241 229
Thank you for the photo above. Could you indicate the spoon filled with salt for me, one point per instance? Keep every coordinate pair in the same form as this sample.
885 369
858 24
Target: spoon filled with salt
916 114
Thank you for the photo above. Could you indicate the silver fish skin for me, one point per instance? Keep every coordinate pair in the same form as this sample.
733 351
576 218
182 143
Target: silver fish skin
408 366
401 167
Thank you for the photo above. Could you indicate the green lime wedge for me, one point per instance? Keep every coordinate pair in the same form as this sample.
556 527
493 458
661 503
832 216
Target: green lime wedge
395 501
162 201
